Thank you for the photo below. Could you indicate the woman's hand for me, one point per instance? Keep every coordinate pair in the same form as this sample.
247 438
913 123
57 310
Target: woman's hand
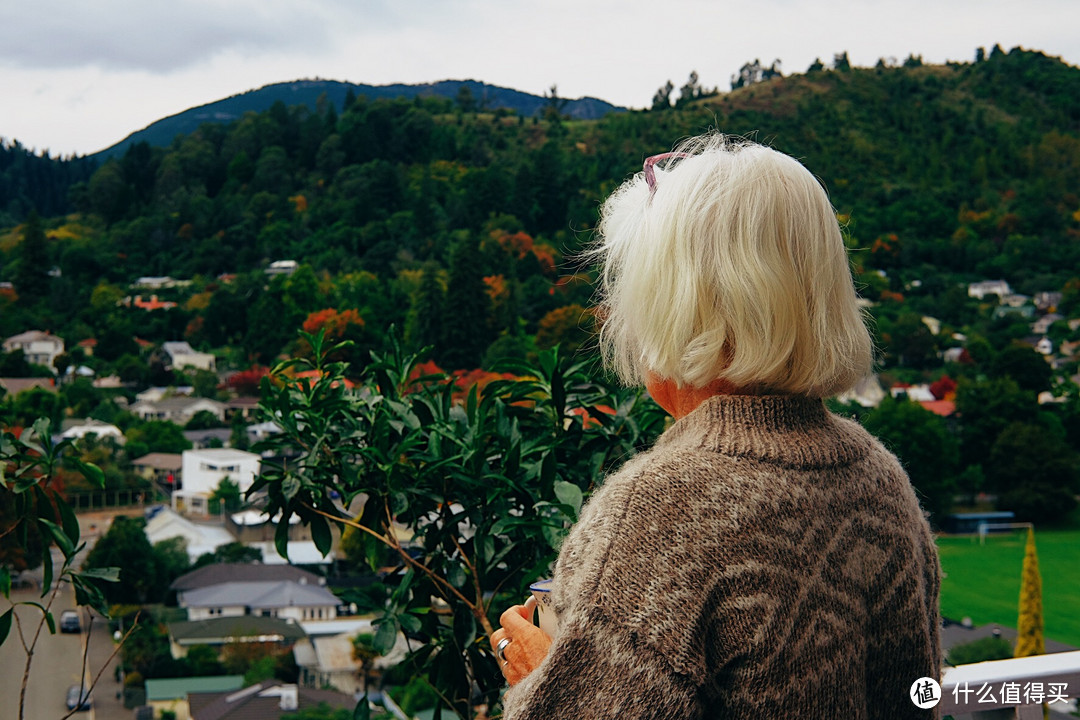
524 645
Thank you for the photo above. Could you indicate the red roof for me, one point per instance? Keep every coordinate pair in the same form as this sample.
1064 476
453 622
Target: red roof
944 408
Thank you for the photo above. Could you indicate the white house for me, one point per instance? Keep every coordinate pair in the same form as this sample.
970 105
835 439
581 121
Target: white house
989 287
203 470
79 429
163 524
181 354
177 409
39 348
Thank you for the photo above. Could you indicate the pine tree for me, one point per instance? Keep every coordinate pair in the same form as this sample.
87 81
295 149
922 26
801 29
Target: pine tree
32 272
424 327
466 313
1029 638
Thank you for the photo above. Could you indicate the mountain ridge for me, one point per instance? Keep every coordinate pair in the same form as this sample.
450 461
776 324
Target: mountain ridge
307 91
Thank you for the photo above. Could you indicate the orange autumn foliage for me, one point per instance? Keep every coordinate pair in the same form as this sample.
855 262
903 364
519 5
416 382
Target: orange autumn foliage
333 322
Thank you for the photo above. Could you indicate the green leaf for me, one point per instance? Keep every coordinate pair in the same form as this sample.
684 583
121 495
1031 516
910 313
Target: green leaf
47 569
464 628
70 522
410 623
487 548
59 537
385 636
362 711
5 624
569 494
5 582
91 472
281 535
321 535
290 485
87 593
49 620
456 575
108 574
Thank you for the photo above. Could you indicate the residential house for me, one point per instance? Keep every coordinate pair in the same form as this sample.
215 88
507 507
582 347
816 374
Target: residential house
162 523
1042 325
159 282
78 429
210 575
203 471
243 406
916 393
1016 300
171 694
267 700
1048 301
163 468
14 386
867 393
989 287
220 632
328 660
152 303
158 392
283 599
181 355
209 438
179 410
953 355
282 267
38 347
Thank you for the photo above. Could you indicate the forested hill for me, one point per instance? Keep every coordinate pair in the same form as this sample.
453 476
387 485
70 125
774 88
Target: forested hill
401 208
316 94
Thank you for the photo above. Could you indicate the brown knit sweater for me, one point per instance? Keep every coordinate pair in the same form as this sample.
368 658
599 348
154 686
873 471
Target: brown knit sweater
766 559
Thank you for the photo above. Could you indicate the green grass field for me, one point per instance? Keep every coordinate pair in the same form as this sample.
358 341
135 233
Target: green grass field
983 581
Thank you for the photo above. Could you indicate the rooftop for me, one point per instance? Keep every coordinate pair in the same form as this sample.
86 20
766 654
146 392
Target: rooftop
178 688
242 572
225 629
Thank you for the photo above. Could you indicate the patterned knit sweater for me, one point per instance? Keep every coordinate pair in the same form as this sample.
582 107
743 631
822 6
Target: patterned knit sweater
766 559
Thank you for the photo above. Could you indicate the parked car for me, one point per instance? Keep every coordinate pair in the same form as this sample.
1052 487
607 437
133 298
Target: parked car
69 622
75 702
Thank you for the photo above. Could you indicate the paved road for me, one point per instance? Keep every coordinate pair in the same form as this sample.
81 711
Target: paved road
58 662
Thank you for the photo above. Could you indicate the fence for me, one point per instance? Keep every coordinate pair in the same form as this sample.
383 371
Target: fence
104 499
1018 684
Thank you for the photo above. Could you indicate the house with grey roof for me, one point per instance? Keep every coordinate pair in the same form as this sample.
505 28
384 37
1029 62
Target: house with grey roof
178 409
218 573
264 701
38 347
219 632
275 599
181 355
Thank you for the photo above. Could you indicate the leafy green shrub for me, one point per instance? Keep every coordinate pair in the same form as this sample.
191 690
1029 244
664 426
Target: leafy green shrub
486 481
987 648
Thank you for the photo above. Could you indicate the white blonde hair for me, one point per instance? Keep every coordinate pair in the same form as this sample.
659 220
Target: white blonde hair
732 267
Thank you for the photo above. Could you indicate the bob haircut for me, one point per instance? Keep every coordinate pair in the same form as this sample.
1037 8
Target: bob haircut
731 267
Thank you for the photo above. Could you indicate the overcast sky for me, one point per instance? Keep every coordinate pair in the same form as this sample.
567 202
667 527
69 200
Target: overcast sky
78 76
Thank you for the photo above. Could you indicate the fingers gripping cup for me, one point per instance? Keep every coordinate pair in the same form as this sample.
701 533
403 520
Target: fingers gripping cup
545 606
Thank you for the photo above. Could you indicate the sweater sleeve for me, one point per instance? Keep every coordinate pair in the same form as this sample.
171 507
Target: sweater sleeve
596 670
905 645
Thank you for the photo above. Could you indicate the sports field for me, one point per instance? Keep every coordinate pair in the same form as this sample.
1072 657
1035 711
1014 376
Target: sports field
983 581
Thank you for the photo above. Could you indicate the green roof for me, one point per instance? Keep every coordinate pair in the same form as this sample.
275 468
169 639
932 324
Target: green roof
213 630
178 688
